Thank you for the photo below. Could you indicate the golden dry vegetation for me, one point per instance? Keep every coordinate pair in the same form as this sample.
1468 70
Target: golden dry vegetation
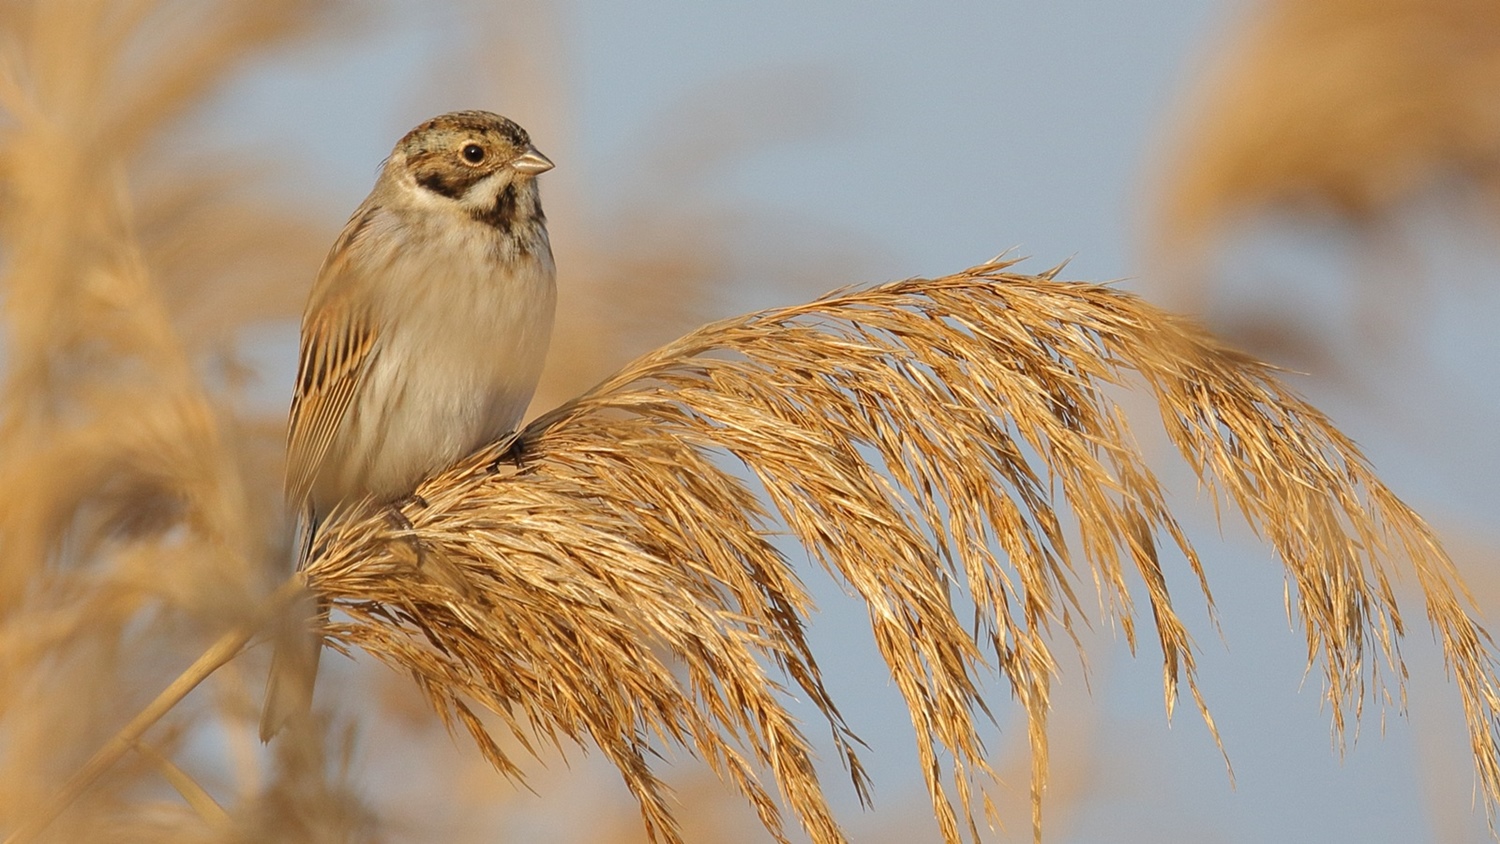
950 449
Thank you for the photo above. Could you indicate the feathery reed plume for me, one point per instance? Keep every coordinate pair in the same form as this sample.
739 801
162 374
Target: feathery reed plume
902 433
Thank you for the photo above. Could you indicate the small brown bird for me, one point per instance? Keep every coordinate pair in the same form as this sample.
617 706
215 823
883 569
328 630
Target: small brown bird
423 337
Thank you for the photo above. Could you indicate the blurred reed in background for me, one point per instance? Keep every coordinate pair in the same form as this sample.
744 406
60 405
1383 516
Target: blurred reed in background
1339 113
139 516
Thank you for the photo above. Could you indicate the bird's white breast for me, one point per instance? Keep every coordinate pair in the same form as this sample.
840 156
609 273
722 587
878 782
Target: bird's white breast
463 322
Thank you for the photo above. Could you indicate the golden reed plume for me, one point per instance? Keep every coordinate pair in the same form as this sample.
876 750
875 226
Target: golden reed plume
903 433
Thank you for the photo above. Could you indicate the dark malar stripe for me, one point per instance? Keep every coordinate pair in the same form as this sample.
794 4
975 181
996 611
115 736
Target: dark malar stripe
503 214
450 184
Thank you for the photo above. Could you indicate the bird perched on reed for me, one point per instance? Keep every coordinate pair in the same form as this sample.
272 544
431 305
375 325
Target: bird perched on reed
422 340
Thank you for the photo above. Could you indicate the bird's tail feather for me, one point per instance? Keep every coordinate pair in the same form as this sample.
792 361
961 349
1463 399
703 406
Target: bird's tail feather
294 661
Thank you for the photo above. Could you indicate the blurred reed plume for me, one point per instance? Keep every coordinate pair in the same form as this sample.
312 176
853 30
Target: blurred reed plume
611 580
1350 107
1344 112
140 507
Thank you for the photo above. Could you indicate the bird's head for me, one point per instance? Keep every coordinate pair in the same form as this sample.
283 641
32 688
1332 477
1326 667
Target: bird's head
481 162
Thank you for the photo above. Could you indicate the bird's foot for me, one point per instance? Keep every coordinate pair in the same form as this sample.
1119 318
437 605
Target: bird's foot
398 519
396 512
514 454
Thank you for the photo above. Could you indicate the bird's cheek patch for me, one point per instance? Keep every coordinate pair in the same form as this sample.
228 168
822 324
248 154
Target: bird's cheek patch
451 185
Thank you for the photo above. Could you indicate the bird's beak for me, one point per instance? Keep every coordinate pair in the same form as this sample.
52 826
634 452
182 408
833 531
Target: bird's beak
531 162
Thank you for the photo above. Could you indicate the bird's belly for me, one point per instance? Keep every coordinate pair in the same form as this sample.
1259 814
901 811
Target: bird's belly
424 427
449 377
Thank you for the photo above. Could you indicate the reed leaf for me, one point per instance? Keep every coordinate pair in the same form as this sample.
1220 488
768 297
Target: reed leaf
943 447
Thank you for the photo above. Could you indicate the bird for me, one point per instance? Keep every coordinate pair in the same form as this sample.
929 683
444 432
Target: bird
423 338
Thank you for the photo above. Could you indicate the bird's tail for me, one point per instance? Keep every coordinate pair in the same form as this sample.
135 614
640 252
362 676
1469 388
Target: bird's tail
294 661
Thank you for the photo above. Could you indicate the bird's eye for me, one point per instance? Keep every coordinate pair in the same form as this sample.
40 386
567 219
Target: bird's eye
473 153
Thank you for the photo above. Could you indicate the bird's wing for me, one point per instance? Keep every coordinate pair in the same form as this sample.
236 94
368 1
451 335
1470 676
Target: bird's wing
338 344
